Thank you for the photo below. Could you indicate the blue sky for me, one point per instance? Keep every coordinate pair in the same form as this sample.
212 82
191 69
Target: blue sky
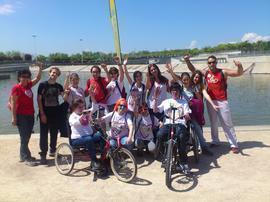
144 24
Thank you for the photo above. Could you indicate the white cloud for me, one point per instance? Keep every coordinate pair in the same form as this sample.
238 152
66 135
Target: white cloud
253 37
6 9
193 44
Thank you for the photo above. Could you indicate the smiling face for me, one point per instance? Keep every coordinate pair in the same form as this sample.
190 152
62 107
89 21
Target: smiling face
138 78
185 80
24 79
122 108
74 81
114 75
212 63
175 94
95 72
54 73
79 109
196 79
153 70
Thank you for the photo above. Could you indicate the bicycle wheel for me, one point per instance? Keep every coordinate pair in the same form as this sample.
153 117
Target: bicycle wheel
195 145
124 165
169 162
64 159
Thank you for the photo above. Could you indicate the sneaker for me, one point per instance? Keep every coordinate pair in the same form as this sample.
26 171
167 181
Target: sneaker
94 166
184 168
213 144
43 160
30 163
207 151
30 158
52 154
235 150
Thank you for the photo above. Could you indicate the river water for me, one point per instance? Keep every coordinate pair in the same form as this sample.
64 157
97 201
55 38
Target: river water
249 98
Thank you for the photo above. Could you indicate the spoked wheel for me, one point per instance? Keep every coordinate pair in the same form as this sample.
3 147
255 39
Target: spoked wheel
169 162
124 165
195 145
64 159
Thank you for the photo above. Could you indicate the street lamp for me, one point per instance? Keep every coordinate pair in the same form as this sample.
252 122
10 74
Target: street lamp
81 40
35 46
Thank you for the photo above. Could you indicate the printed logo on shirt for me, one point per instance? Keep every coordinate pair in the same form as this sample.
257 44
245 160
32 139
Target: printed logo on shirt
212 79
28 93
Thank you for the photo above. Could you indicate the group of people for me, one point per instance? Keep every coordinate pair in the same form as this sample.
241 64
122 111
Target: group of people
140 116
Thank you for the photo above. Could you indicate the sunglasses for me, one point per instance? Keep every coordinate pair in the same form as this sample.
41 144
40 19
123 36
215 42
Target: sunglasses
122 106
214 62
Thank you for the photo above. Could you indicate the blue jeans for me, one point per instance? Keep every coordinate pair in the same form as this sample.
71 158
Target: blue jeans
88 142
25 125
123 140
199 132
181 134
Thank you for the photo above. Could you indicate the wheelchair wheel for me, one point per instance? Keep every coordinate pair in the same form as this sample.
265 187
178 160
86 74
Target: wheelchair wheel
169 163
195 145
123 165
64 159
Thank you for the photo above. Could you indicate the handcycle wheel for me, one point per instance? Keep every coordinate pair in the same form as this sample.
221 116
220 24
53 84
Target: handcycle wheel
64 159
169 162
195 145
123 165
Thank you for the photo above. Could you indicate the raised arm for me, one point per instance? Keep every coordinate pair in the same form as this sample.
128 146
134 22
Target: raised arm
104 67
121 71
66 83
170 70
38 77
126 71
234 73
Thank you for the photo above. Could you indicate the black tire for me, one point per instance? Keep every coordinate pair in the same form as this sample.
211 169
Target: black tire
123 165
195 145
64 159
169 163
157 149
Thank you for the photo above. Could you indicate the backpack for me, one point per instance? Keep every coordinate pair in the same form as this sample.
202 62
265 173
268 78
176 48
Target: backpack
123 92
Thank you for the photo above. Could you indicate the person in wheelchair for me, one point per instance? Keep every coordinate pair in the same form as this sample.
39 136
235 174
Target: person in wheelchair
82 134
182 111
121 124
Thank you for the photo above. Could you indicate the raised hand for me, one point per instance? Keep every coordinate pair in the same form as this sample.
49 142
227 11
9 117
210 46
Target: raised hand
116 60
125 61
187 58
103 66
169 67
237 63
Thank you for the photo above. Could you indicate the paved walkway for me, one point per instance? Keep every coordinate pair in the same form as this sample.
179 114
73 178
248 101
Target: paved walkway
223 177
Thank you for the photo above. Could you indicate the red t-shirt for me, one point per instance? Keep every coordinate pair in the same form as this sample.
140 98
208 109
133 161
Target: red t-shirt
100 91
25 104
216 85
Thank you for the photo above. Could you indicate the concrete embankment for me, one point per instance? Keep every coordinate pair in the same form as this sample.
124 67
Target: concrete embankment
261 65
222 177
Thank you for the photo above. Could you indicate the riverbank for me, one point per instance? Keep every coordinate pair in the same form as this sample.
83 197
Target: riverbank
260 64
223 177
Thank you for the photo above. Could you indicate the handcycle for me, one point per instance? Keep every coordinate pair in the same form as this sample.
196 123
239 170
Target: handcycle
171 149
122 162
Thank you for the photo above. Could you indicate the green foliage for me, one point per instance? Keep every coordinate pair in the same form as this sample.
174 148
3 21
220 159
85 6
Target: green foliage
99 57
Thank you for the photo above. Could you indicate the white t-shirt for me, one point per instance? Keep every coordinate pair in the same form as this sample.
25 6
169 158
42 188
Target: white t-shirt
144 127
182 109
114 93
77 129
162 94
75 93
136 98
119 124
